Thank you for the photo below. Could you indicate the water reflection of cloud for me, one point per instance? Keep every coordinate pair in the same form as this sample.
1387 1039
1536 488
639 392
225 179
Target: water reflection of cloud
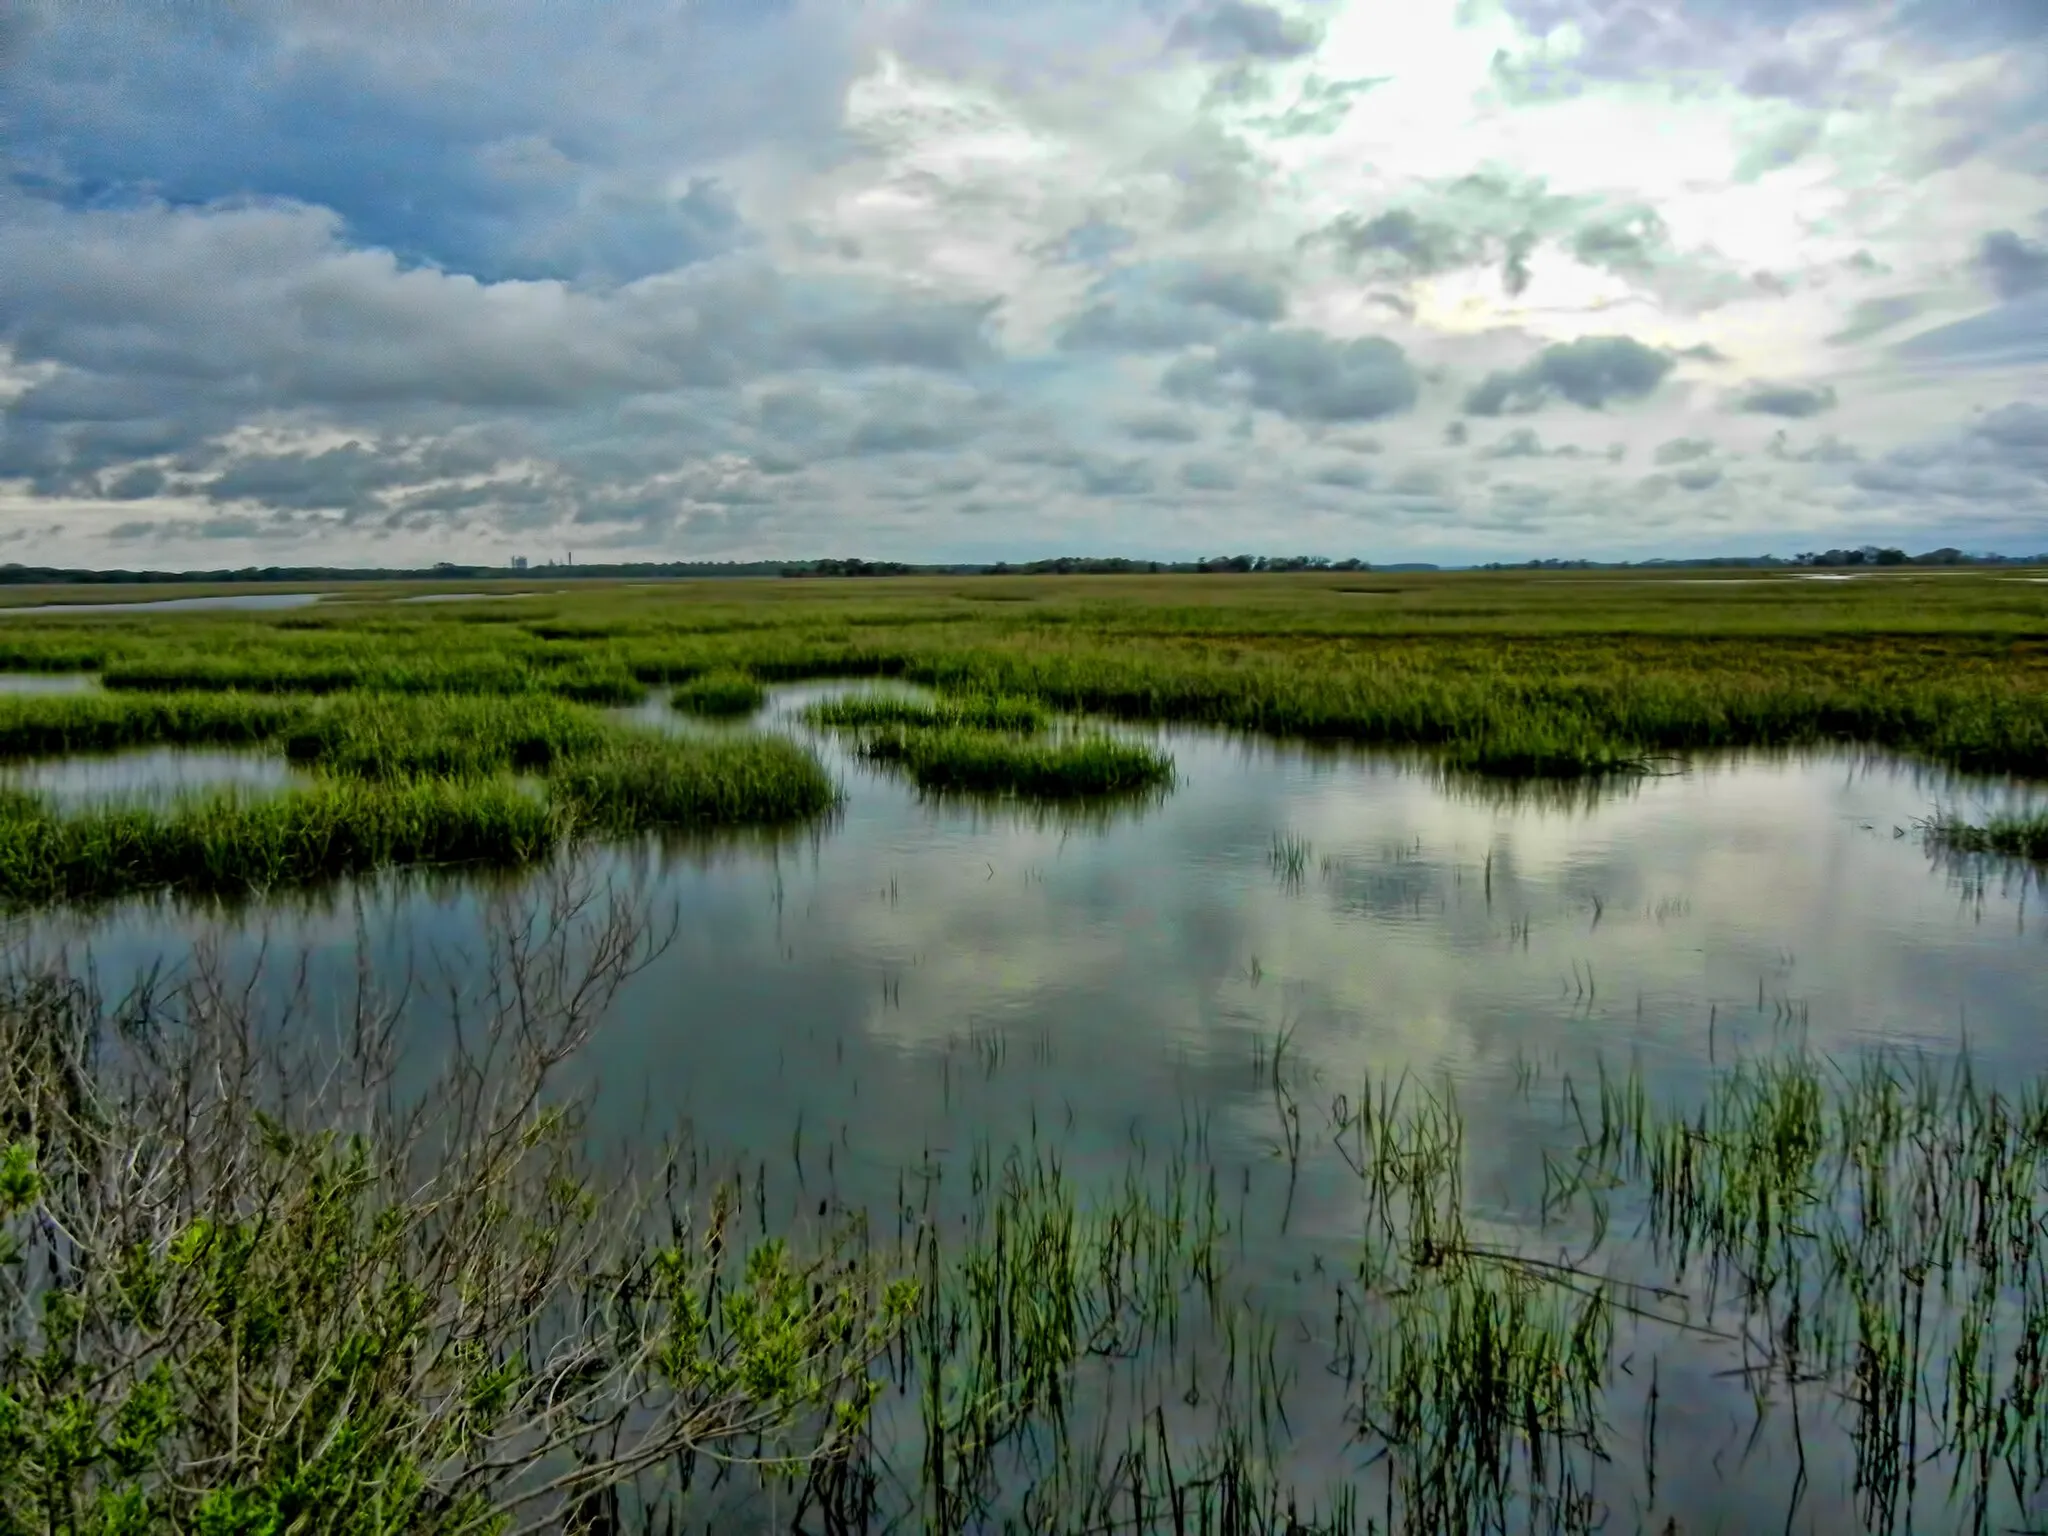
1143 955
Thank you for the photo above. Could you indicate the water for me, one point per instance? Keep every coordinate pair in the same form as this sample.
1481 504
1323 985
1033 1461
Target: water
257 601
47 683
155 776
462 597
920 976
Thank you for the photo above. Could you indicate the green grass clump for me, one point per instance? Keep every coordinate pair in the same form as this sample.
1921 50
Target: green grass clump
48 725
723 692
230 845
642 780
986 712
404 779
2020 837
388 735
990 762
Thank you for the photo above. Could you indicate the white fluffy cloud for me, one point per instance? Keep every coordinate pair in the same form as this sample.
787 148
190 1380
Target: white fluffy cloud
1467 279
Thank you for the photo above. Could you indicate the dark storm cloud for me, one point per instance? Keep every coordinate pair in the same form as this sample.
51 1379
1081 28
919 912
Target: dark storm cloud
1232 31
1589 372
1760 398
1304 375
2012 266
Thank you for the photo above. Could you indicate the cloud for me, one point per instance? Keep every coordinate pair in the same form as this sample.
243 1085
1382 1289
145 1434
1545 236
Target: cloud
1829 449
1208 475
1992 473
1588 372
1354 477
348 479
1402 240
1683 450
2021 429
1304 375
2012 266
1160 427
1238 293
1628 241
1493 219
1797 400
2013 335
1115 477
766 279
1873 317
1236 30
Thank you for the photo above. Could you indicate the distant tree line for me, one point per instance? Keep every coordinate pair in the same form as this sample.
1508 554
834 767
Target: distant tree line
1867 555
1064 565
1087 565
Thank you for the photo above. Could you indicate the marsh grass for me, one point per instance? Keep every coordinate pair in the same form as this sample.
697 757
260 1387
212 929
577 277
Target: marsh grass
404 779
451 735
234 845
982 712
641 780
2013 836
720 694
1508 674
51 725
956 759
1290 858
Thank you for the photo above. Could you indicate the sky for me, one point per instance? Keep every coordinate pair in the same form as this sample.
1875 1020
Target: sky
386 282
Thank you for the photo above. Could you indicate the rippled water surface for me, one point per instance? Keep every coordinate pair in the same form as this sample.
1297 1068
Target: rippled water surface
155 776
